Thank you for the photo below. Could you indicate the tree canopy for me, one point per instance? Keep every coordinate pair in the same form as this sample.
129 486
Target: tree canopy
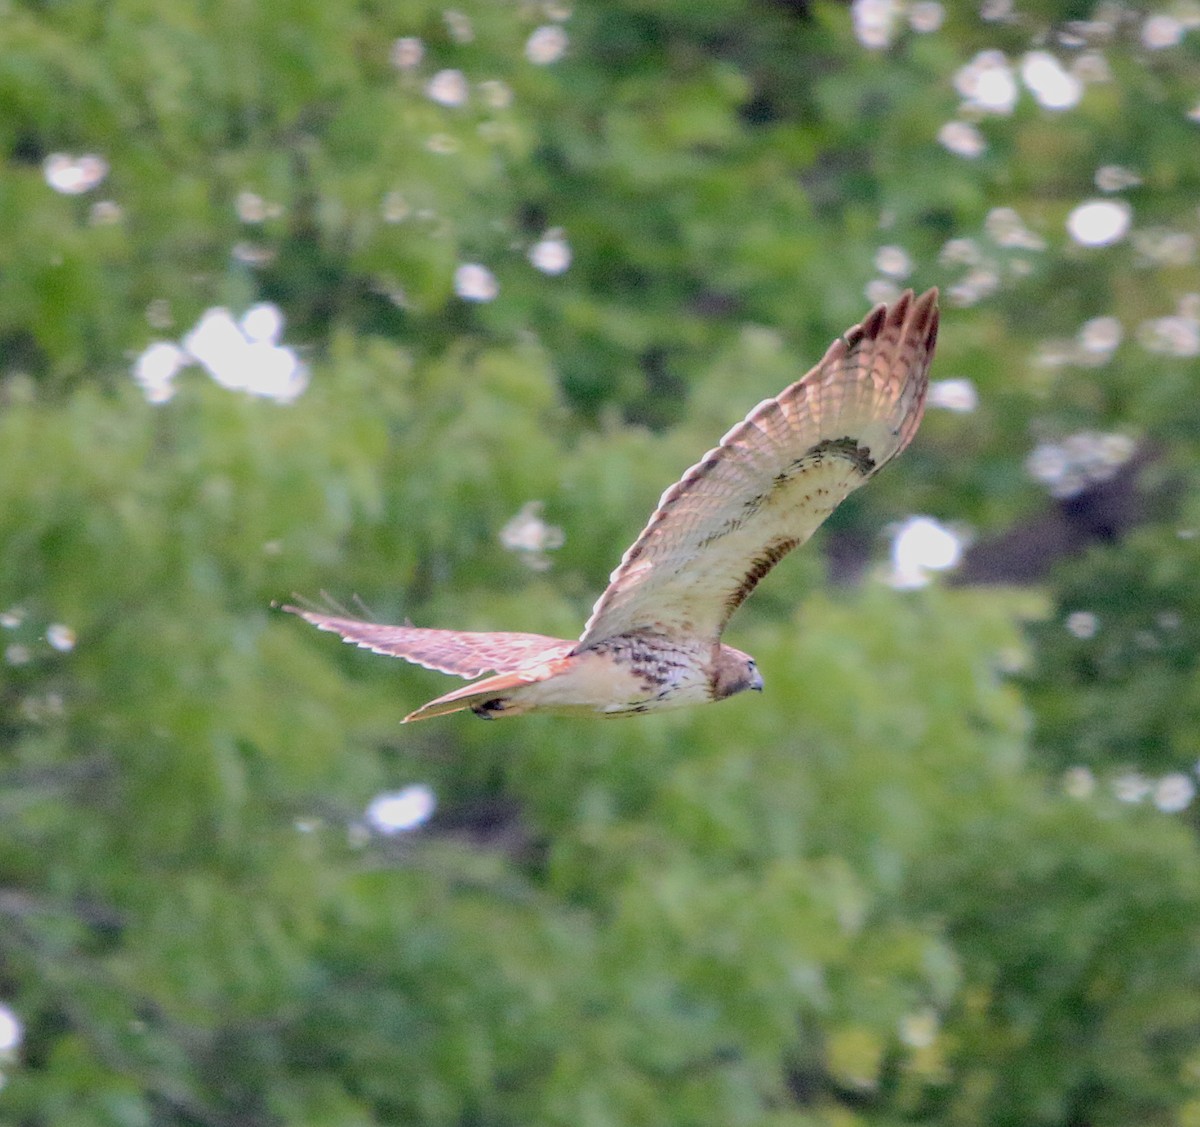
425 307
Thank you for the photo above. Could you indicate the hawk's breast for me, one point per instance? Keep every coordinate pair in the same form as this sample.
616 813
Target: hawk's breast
654 671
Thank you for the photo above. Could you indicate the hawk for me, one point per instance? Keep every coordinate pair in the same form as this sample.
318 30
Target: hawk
653 641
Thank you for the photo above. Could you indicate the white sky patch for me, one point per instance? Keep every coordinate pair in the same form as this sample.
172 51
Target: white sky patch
60 637
922 545
1054 87
496 94
531 537
272 372
919 1030
954 395
926 16
546 45
155 369
252 208
961 251
1174 792
551 254
400 811
1116 178
104 213
1079 783
1007 229
962 139
262 322
1172 336
881 290
875 22
1100 335
1091 67
448 88
252 254
473 282
459 25
1160 31
1092 347
1162 246
72 175
1131 787
407 52
11 1032
1100 223
977 283
395 208
1082 624
217 343
893 261
987 83
241 357
1080 460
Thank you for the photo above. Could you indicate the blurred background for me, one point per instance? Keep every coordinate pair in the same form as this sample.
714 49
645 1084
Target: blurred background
424 307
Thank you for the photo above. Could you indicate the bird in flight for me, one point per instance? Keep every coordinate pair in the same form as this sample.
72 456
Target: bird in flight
654 638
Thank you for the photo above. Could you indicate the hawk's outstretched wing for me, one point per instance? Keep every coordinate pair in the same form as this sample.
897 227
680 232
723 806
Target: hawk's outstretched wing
773 479
460 652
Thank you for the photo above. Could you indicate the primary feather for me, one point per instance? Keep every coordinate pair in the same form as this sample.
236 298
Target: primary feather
460 652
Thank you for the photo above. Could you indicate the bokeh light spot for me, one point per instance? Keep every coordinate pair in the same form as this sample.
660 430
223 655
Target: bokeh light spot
400 811
473 282
71 175
919 546
546 45
1099 223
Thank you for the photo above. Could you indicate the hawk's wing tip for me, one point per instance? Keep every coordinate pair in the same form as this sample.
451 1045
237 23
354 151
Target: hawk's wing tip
926 316
927 303
300 612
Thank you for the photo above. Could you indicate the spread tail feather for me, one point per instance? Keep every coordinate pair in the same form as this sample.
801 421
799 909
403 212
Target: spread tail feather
476 696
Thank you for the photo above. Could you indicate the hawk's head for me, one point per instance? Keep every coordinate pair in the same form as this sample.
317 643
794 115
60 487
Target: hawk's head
734 672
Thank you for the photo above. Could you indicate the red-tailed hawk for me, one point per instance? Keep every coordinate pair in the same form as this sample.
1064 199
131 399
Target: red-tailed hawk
654 638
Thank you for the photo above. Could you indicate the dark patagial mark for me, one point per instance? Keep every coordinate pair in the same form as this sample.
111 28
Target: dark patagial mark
772 554
858 456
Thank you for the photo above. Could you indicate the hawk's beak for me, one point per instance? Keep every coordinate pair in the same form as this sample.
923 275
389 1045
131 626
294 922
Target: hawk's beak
756 682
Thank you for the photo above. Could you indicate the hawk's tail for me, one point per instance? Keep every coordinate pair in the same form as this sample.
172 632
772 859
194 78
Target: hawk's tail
490 697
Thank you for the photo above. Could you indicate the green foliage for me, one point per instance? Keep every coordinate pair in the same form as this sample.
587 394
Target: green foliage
865 898
1116 678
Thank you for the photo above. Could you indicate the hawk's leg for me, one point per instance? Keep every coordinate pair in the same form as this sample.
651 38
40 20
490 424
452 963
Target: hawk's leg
489 707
